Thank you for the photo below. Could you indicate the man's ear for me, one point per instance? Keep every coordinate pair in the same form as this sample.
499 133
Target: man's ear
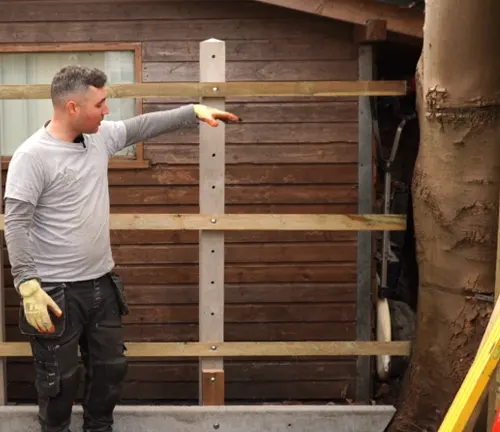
71 107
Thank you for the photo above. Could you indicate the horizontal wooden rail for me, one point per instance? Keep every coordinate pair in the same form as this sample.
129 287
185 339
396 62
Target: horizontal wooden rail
242 349
255 222
224 89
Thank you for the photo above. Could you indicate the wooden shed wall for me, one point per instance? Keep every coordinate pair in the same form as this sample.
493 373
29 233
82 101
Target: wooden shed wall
288 156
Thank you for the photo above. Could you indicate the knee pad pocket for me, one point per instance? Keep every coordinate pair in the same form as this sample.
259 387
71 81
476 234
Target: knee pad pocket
110 373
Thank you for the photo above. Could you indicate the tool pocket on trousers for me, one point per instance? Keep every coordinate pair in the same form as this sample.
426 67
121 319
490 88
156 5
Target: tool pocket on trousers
120 293
57 293
47 380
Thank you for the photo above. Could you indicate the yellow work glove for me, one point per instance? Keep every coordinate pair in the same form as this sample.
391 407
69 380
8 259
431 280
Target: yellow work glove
36 303
210 115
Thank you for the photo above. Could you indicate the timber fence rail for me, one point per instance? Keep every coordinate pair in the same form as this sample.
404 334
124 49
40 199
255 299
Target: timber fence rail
212 222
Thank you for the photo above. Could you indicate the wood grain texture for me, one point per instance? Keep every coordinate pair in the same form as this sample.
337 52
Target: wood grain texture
160 30
292 155
241 174
43 11
309 153
262 133
280 331
153 295
283 112
235 370
244 349
305 48
304 194
338 389
283 70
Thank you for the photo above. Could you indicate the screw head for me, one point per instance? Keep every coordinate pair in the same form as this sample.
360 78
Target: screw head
214 347
213 220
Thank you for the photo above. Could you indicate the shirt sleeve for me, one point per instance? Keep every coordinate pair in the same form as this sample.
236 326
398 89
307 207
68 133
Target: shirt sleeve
120 134
25 178
18 218
114 136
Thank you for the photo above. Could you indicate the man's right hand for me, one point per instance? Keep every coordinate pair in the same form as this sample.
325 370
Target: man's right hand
36 303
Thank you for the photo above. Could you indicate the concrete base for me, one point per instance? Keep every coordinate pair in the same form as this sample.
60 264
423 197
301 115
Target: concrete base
262 418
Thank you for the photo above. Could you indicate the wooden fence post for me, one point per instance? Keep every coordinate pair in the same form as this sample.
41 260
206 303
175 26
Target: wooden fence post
365 205
211 252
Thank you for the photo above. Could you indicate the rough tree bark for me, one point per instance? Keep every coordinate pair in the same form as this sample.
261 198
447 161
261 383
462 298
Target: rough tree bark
455 186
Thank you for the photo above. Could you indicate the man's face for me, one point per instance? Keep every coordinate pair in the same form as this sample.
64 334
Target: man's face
90 110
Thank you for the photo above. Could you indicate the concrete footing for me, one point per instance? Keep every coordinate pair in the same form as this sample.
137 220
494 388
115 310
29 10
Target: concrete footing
262 418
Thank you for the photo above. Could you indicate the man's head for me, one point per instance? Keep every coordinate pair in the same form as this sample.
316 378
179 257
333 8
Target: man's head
79 97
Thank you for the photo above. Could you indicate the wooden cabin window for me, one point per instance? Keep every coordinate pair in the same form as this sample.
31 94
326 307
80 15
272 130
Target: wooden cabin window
37 64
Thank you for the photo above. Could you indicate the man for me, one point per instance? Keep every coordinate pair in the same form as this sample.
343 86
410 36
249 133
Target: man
58 240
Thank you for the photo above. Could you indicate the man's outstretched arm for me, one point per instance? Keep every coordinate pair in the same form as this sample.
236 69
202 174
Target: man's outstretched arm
146 126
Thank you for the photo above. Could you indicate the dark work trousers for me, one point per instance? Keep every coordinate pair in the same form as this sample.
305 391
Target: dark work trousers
92 321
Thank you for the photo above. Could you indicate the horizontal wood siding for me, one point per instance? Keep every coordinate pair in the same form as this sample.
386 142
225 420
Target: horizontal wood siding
288 156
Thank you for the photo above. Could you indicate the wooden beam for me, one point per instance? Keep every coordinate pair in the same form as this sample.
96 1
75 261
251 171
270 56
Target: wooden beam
211 250
212 387
364 304
405 21
242 349
224 89
255 222
372 31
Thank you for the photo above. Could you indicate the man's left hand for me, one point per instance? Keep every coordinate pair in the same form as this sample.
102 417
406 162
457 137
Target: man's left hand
211 115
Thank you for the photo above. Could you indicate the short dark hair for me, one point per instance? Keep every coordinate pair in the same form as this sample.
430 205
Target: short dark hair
75 78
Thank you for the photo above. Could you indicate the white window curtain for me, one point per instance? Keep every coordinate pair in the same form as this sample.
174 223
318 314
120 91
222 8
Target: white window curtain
20 118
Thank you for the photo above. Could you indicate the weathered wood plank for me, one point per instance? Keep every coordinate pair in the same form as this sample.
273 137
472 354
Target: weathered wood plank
236 371
268 133
185 30
313 272
243 273
191 89
250 99
160 237
399 19
155 295
212 387
248 253
161 175
289 194
234 253
236 313
257 154
326 209
283 70
286 111
301 390
261 222
242 349
232 332
305 48
45 11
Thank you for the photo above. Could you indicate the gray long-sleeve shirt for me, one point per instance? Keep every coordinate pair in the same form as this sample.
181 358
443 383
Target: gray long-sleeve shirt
57 199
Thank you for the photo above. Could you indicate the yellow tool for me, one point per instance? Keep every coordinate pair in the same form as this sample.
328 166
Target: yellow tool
475 382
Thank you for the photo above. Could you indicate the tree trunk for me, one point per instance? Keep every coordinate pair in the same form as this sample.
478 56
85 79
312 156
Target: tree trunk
455 190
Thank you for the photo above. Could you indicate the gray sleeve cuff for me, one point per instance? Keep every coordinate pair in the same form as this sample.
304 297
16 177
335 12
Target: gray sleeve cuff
18 217
146 126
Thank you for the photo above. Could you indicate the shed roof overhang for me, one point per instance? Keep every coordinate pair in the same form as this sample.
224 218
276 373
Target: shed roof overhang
399 19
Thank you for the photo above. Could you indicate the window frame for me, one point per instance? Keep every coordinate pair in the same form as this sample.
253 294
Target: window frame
118 161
